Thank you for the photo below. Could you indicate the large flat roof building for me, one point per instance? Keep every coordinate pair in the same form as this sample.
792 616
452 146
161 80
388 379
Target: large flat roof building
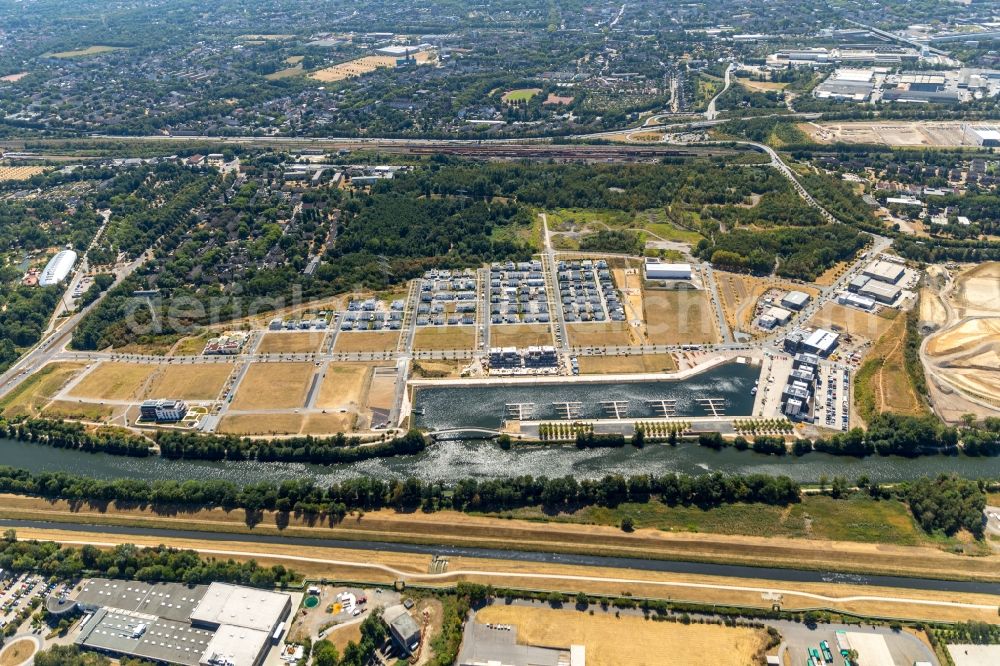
173 623
795 300
884 271
880 291
656 270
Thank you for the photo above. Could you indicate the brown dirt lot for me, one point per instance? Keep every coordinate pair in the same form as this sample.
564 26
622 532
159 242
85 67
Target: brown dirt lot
17 653
888 133
978 290
114 381
345 386
740 293
609 334
366 341
291 343
520 335
679 317
273 386
189 382
610 365
649 643
865 325
444 337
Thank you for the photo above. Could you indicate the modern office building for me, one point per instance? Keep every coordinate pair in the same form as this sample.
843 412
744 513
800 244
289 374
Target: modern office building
163 411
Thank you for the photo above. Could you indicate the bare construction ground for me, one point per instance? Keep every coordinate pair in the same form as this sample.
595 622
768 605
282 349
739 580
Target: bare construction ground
967 356
291 343
739 294
345 386
609 334
366 341
857 323
273 386
901 133
444 337
649 643
617 365
520 335
675 317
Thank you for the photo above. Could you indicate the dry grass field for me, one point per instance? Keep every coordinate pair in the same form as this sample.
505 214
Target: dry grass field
612 365
648 643
35 392
291 343
444 337
329 424
19 172
679 317
884 375
80 411
366 341
606 334
438 369
520 335
189 382
261 424
761 86
345 386
273 386
836 317
17 653
114 381
83 53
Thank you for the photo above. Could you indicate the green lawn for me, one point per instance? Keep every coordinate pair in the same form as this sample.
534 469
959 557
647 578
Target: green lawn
858 518
521 94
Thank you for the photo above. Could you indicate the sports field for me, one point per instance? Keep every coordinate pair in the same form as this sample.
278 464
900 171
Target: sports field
291 343
520 335
273 386
366 341
444 337
114 381
648 643
676 317
520 95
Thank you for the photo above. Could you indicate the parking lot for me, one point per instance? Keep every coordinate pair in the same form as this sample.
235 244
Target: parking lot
834 397
17 593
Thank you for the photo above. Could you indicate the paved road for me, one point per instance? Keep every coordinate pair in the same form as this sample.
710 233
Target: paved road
710 112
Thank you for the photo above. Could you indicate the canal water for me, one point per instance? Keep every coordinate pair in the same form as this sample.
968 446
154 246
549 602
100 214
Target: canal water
730 384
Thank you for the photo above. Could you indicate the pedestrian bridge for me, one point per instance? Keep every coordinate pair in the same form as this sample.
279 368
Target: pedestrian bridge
465 433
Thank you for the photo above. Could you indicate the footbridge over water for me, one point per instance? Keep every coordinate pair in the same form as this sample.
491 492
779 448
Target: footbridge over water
465 433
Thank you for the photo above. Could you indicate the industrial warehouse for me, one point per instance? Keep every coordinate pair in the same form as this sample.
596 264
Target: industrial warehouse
173 623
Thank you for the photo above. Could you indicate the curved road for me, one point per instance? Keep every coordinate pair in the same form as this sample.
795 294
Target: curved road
710 112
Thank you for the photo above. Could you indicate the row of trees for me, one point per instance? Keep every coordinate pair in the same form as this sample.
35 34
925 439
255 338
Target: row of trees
73 435
365 494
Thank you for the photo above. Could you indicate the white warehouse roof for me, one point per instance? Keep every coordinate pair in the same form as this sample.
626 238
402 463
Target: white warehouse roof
58 268
241 607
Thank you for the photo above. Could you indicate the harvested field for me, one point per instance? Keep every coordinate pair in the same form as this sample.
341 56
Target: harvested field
291 343
609 334
612 365
114 381
202 381
19 172
261 424
18 652
679 317
83 53
444 337
520 335
649 642
362 66
917 133
836 317
345 386
273 386
366 341
35 392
